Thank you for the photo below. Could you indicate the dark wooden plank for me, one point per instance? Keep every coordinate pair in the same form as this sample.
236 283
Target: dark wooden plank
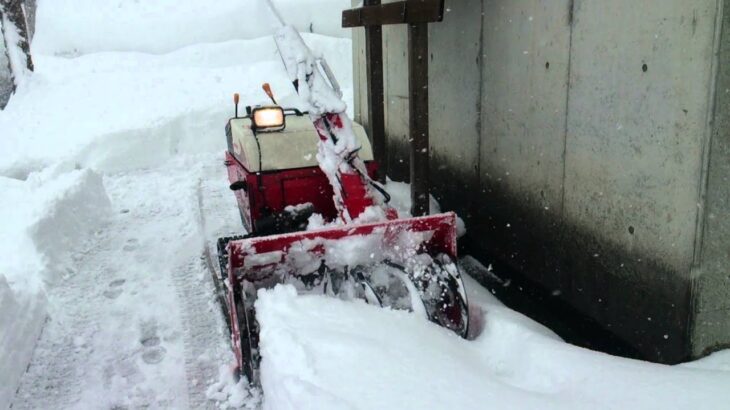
376 100
418 116
410 11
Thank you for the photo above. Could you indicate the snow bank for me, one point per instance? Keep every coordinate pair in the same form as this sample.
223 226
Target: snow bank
716 361
324 353
21 318
229 393
67 216
161 26
44 219
115 111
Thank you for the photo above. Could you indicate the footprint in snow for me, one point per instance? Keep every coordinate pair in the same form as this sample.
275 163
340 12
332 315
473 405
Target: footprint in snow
151 341
131 245
114 289
152 353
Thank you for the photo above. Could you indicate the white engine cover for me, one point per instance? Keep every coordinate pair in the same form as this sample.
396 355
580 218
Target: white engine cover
295 147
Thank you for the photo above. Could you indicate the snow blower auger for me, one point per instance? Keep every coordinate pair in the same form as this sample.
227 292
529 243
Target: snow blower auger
282 175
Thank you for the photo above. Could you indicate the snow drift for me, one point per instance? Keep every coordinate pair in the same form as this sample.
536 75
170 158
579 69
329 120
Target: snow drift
90 26
115 111
44 218
323 353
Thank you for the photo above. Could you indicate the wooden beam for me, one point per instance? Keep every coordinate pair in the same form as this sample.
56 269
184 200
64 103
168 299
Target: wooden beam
418 116
376 100
402 12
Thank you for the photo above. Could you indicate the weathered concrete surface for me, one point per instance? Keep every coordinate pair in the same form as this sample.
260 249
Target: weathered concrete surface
712 276
524 90
637 112
395 77
577 143
454 102
523 100
636 125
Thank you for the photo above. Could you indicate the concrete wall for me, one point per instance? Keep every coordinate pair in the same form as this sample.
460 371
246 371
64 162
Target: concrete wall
586 143
711 298
636 133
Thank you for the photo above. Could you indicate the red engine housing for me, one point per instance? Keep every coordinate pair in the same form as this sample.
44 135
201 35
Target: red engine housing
272 191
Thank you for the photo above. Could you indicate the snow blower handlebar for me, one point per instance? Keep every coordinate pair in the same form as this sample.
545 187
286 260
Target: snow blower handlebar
338 157
330 76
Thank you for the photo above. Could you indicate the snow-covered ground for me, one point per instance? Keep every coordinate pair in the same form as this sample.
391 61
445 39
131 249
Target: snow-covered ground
113 189
133 322
110 150
323 353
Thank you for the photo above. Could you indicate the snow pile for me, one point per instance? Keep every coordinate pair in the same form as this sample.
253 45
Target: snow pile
117 111
716 361
324 353
229 393
44 218
73 27
22 312
67 218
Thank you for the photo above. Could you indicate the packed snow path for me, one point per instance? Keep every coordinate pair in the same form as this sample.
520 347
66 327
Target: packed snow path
136 323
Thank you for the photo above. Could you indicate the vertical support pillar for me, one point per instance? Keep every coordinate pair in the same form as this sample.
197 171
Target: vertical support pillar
376 108
418 116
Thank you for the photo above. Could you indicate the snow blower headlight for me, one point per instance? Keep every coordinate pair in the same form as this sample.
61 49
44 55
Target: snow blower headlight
268 119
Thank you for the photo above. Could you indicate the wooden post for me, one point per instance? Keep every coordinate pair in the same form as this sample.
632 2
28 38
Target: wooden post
417 14
376 108
418 116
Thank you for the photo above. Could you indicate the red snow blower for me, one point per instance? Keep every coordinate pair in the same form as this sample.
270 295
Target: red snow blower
316 217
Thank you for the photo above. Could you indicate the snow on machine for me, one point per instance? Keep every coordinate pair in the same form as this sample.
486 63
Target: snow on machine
305 183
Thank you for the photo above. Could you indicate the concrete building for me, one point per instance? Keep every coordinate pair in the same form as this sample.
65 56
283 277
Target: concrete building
586 144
